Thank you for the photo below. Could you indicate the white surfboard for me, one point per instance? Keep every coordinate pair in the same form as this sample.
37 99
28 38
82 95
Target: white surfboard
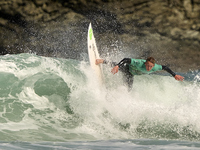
93 55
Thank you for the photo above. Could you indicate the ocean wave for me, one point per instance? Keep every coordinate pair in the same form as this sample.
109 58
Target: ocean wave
51 99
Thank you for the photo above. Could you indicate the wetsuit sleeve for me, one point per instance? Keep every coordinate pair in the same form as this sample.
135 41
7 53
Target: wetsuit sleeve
168 70
109 62
120 64
124 61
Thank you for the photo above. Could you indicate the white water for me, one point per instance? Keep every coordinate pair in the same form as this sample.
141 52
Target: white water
48 99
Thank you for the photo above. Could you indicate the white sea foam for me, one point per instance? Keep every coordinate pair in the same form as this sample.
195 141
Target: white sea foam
58 99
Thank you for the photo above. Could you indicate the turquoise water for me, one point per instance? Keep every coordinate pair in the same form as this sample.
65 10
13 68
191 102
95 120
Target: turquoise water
51 103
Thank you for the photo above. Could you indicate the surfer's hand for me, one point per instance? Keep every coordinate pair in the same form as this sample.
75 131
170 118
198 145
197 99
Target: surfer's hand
179 78
115 69
98 61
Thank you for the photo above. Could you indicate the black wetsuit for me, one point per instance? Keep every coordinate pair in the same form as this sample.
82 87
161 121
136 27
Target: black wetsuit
124 67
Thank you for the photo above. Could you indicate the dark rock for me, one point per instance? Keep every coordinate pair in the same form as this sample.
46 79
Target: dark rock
168 30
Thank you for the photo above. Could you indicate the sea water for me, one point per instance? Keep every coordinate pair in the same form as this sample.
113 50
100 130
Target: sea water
52 103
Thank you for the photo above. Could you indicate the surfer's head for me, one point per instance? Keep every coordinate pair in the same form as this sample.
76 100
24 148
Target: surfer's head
150 62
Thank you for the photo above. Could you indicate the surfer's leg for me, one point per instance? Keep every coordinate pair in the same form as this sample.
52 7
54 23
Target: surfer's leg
127 77
129 81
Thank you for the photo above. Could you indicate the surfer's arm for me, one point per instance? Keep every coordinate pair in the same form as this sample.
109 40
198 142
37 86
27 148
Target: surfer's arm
122 63
168 70
99 61
177 77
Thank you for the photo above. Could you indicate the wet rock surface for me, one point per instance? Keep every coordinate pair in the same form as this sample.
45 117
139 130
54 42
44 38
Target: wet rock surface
168 30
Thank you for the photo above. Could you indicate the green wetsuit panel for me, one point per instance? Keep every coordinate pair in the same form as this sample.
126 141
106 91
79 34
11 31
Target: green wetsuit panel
137 67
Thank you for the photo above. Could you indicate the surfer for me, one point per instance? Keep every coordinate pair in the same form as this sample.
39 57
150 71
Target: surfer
130 67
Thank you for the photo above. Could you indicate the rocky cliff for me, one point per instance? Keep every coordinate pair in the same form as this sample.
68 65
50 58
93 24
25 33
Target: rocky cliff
169 30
